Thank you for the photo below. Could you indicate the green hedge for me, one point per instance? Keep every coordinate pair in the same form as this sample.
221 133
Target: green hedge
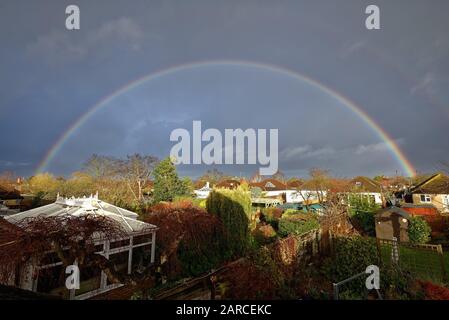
233 208
363 209
297 224
351 256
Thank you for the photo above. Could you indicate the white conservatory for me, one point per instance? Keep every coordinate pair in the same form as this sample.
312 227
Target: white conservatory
129 254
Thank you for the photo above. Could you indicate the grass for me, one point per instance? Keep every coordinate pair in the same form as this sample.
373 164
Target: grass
426 264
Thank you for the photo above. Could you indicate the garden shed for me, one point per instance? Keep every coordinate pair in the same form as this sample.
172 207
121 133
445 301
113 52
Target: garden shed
392 222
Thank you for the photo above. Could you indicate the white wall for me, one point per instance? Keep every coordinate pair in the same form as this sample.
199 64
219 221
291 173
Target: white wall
295 196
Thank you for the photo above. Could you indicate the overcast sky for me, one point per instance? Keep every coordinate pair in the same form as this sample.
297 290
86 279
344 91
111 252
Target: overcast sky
399 75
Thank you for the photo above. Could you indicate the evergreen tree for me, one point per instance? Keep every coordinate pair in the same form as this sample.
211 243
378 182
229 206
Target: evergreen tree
167 184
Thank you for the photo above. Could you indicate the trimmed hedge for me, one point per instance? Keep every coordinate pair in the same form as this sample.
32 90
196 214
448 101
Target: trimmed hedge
363 209
351 256
233 208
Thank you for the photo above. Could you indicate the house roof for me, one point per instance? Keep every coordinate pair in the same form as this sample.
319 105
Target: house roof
436 184
364 184
413 205
7 194
390 210
314 185
294 183
396 182
84 206
269 185
205 187
229 183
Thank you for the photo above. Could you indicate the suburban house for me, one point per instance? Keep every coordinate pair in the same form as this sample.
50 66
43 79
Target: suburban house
311 192
294 184
10 198
366 187
392 222
135 251
273 188
203 192
431 191
228 184
395 184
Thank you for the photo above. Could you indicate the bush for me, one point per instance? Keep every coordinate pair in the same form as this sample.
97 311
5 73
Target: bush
366 220
418 230
233 208
189 240
351 256
362 210
264 234
200 203
297 224
272 215
255 278
433 291
290 212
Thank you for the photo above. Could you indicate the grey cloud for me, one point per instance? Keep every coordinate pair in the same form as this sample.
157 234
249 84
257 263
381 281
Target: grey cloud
60 45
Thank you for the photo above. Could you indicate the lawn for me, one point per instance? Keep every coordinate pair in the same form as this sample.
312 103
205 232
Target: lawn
426 264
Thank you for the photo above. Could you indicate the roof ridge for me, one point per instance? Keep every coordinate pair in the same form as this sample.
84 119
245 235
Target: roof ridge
426 181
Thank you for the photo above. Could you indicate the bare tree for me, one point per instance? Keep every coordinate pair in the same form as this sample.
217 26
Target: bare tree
7 181
137 170
317 186
98 166
212 176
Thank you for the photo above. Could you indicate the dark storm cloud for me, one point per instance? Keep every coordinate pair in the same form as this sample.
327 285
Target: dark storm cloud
399 75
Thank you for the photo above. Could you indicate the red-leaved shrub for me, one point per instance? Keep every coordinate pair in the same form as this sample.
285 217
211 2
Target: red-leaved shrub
433 291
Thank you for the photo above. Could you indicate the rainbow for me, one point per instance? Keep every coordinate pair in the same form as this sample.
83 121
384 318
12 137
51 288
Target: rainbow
376 128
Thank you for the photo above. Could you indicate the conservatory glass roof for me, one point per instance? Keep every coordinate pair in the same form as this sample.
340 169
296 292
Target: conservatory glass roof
83 206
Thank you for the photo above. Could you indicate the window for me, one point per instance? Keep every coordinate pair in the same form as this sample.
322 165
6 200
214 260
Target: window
120 261
145 238
90 279
446 203
425 198
119 244
141 258
52 281
269 185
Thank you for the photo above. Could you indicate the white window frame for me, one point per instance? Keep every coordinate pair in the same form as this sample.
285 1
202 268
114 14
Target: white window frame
446 202
427 198
269 185
106 252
